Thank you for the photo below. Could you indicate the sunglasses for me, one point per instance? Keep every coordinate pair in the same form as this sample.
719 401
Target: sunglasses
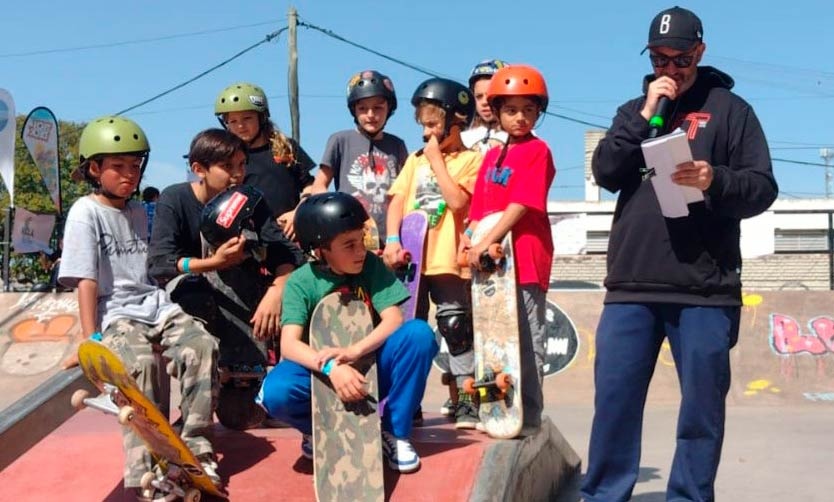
680 61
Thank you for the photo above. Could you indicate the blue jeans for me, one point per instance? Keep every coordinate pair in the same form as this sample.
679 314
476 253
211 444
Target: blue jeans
629 338
403 364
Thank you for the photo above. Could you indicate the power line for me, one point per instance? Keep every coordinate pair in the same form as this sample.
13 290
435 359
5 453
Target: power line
340 38
788 161
578 121
266 39
133 42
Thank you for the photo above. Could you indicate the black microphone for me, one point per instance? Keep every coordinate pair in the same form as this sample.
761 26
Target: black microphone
658 120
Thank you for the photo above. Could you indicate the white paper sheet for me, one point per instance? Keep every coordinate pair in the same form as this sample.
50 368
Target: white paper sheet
662 155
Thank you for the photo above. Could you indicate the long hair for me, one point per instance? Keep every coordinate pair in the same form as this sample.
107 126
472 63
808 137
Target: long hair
283 151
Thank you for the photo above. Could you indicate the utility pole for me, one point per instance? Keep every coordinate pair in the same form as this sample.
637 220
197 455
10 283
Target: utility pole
292 88
827 154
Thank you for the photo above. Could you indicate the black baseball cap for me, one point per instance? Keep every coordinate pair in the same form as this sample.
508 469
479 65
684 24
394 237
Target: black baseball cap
677 28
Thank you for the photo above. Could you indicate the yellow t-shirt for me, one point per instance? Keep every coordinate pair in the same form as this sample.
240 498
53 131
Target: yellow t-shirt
418 184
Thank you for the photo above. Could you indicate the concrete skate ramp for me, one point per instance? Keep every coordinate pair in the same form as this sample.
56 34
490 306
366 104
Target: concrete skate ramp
37 331
784 355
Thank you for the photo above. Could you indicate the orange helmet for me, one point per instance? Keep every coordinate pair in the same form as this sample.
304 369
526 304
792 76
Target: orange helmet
518 80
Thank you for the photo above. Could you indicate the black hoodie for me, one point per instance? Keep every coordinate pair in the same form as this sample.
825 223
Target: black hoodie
693 260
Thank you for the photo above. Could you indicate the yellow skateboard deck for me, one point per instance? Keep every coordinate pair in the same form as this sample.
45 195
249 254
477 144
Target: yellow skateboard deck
184 476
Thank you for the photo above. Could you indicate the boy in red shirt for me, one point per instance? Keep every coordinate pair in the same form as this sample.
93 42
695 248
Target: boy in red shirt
515 178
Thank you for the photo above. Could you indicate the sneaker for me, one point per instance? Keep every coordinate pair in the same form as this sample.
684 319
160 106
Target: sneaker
399 453
209 465
417 419
448 408
307 446
466 414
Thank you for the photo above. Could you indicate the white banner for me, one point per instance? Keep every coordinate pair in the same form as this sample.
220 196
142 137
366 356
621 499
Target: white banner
40 135
7 140
31 231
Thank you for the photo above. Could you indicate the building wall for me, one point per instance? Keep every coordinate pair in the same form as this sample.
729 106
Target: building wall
771 272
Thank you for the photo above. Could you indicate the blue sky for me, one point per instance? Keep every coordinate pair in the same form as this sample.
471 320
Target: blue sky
589 52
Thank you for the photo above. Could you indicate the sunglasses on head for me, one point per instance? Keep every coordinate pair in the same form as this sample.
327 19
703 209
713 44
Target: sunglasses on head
680 61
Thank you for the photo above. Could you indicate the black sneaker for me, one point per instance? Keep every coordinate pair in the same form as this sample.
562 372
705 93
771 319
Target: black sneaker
466 413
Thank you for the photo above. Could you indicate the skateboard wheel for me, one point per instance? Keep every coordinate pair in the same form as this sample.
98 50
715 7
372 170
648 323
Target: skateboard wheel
126 415
77 399
146 481
503 381
469 386
192 495
495 251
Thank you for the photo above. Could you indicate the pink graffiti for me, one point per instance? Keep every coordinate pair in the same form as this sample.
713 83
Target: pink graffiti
786 338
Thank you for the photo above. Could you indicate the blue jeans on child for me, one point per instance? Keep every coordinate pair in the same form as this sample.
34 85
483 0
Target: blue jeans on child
403 364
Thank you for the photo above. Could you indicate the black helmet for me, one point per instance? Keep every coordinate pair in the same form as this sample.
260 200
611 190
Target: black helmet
240 209
322 217
453 97
370 83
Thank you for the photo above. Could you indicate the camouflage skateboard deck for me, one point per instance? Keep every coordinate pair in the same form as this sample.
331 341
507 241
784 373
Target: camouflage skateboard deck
495 323
413 239
347 444
180 472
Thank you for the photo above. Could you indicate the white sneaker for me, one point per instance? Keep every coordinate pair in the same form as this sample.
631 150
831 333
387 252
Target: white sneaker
399 453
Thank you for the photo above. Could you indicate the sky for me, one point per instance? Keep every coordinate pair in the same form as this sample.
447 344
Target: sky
84 59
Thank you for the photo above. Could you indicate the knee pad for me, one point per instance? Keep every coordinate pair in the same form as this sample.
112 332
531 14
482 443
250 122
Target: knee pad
457 330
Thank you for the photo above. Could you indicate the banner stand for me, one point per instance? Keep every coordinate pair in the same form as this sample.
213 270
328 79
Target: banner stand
7 239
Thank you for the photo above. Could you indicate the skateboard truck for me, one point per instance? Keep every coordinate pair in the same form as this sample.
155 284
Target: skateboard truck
493 386
168 484
490 260
406 269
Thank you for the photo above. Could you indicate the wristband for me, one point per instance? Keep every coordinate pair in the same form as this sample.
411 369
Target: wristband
468 232
392 238
328 367
185 267
96 336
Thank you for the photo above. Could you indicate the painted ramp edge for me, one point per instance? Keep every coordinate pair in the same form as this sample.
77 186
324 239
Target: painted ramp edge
539 467
33 417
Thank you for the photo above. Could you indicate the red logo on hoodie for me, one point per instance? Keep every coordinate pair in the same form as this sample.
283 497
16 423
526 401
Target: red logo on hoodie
697 120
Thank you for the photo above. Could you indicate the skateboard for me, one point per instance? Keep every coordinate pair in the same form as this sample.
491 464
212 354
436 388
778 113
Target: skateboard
347 444
225 300
413 239
178 472
495 323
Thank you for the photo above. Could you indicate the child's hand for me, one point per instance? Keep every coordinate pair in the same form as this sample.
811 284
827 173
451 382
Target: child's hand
326 354
432 151
285 221
266 321
475 253
391 254
230 253
348 383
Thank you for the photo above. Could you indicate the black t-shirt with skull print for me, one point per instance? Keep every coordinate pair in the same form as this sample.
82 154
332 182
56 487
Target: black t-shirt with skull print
364 169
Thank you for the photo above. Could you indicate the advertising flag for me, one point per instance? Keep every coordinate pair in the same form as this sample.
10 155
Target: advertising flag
7 140
40 135
31 231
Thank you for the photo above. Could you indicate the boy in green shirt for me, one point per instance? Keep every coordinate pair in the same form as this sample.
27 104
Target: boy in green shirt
331 225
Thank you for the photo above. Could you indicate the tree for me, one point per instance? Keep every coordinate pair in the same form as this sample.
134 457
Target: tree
31 193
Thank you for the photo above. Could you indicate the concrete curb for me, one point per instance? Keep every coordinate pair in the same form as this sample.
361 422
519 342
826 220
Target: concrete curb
539 467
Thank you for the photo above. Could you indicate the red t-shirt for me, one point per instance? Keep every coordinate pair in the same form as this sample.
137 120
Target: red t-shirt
524 178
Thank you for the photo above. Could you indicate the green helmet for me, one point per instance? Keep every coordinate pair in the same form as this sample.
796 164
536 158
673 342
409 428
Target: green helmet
110 135
241 97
